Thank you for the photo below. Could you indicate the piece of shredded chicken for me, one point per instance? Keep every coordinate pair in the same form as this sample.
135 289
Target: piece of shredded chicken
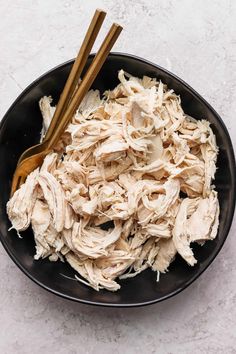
126 189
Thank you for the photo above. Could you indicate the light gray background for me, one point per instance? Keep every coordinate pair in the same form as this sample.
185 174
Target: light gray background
197 41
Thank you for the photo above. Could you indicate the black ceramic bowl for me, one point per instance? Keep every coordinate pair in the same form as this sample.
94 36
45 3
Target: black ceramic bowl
20 128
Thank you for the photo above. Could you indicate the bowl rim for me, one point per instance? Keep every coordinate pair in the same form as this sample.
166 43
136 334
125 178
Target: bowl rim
231 160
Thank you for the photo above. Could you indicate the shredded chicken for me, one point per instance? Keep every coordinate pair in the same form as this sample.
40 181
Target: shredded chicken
127 188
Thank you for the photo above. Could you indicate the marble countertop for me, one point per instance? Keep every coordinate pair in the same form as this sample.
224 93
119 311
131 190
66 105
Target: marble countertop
195 40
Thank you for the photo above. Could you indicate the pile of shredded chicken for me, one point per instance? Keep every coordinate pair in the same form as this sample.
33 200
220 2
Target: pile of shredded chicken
134 160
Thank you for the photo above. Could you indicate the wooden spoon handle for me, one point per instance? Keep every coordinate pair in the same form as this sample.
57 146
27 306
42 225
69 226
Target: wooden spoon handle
77 69
86 83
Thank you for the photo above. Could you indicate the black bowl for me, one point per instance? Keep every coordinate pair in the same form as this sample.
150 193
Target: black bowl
20 128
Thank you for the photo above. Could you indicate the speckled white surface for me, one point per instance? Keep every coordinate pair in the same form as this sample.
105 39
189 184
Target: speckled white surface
197 41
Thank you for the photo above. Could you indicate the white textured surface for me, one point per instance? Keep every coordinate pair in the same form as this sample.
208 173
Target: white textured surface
197 41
